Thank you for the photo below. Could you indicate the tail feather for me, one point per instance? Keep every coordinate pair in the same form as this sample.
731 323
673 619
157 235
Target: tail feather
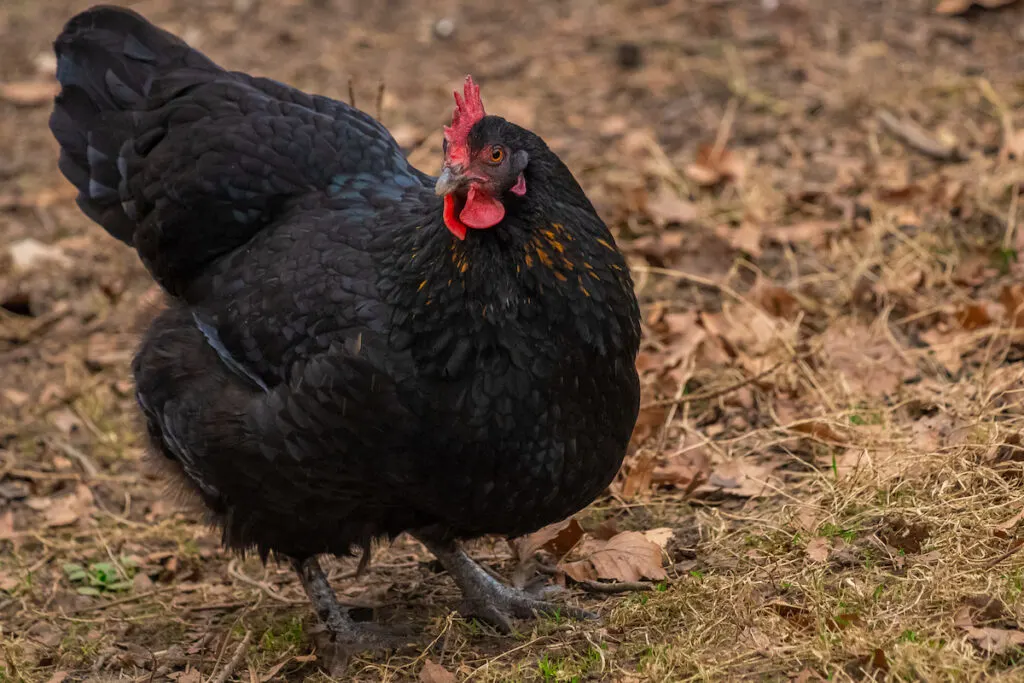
108 61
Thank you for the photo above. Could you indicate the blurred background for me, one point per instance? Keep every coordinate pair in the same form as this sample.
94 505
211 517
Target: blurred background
821 205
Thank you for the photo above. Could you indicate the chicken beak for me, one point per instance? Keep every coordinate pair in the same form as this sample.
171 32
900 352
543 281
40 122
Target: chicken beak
450 180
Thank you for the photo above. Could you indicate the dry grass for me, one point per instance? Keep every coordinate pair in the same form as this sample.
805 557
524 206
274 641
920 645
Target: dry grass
863 476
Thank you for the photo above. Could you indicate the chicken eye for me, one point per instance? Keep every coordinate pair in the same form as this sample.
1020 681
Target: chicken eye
497 154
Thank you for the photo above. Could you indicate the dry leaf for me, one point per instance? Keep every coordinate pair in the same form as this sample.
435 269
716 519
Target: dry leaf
629 556
668 207
866 359
638 475
558 539
69 508
661 535
988 638
950 7
7 524
712 166
814 233
685 469
1012 298
743 478
29 93
818 549
8 582
433 672
58 677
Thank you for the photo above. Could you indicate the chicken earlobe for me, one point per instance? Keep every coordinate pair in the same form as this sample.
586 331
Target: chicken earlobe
486 598
346 635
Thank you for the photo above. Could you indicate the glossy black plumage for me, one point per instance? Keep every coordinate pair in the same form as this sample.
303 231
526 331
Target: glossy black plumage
335 364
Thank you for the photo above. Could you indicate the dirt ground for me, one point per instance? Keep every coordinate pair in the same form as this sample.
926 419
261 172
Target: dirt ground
821 206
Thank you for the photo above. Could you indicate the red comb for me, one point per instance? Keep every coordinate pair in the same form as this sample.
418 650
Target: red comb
468 110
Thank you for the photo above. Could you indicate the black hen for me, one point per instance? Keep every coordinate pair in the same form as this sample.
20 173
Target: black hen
354 349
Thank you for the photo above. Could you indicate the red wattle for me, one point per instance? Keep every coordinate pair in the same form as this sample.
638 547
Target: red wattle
455 226
481 210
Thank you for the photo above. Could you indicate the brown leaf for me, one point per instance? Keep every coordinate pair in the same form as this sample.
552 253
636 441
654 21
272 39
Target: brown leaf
29 93
7 524
8 582
1012 298
745 238
433 672
814 233
685 469
988 638
975 315
905 536
661 536
628 556
867 360
950 7
58 677
741 477
667 207
712 166
69 508
638 472
558 539
947 351
818 549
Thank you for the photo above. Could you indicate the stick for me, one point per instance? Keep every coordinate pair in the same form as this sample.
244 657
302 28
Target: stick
917 138
617 587
235 660
705 395
1017 545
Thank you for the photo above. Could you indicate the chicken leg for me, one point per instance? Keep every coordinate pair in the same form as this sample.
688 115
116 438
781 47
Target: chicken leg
488 599
344 633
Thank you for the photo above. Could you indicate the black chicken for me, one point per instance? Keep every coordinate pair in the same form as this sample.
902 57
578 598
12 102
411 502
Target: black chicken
354 349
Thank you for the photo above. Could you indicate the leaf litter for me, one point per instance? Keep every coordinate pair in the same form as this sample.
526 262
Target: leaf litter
826 469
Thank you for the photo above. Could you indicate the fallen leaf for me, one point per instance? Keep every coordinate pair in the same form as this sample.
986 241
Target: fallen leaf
943 344
976 315
8 582
684 470
984 609
903 535
7 524
745 238
638 475
950 7
661 536
814 233
69 508
743 478
433 672
29 93
1012 297
668 207
558 539
713 165
866 359
58 677
818 549
628 556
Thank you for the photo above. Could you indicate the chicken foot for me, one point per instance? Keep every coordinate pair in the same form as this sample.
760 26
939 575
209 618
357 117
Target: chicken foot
345 634
488 599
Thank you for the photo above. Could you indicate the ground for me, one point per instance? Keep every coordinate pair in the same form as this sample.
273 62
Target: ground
821 206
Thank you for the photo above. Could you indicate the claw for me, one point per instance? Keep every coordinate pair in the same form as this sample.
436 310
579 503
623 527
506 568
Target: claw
492 601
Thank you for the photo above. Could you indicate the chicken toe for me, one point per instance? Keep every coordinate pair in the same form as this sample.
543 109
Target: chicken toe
344 634
486 598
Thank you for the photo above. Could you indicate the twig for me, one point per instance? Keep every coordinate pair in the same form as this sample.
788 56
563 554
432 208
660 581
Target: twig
351 93
67 449
235 660
262 585
121 601
706 395
914 136
1005 117
617 587
1017 545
